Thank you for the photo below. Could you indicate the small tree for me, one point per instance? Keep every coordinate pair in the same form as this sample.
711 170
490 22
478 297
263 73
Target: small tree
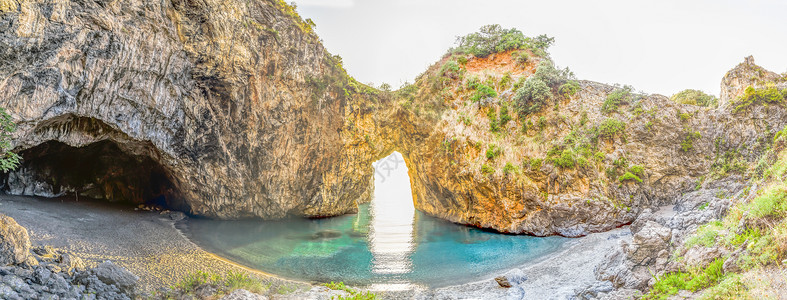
532 95
8 160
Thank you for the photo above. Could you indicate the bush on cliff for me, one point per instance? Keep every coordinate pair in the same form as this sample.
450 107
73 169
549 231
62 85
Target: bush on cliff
8 160
770 94
494 38
695 97
533 94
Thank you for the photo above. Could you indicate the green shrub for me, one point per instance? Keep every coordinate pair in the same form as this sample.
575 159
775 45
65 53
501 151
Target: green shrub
582 161
688 141
483 91
583 119
629 176
569 88
535 163
462 60
493 151
533 94
8 160
770 94
705 236
732 287
493 38
241 280
504 116
771 203
451 69
610 128
637 170
509 168
551 75
354 294
193 280
684 116
730 162
521 58
473 83
494 125
693 280
599 156
566 159
505 81
542 123
486 169
616 99
695 97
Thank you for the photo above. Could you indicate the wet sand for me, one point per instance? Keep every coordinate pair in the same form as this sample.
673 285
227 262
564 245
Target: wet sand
148 244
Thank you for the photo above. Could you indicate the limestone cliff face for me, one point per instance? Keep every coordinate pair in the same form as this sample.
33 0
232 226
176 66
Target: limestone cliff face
444 138
234 109
231 108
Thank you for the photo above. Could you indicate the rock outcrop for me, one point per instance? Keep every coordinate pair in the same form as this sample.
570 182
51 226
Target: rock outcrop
14 242
512 180
234 110
220 109
47 273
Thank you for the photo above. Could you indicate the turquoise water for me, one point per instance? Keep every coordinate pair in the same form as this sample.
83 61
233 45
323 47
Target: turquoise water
338 249
387 245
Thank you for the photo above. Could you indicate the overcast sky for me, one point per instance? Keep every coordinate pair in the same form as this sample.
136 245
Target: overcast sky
656 46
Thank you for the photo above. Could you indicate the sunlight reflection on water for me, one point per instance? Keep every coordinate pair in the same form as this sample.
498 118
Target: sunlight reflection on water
388 245
391 234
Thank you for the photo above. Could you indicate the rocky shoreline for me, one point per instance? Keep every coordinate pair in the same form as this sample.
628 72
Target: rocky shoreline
616 264
46 273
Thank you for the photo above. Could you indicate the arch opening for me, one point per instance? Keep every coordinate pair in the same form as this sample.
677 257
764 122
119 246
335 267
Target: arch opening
391 232
100 170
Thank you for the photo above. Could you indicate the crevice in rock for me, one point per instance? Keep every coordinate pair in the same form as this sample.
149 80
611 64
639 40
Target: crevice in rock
100 170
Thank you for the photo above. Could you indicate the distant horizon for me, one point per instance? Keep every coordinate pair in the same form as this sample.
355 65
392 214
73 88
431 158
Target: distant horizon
672 47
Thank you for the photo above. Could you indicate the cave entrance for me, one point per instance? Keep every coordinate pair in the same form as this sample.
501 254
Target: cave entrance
391 236
101 170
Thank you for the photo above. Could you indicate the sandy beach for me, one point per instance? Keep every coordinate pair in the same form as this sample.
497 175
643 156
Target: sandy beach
148 244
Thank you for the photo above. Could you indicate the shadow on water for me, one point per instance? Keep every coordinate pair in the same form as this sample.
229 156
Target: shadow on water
388 244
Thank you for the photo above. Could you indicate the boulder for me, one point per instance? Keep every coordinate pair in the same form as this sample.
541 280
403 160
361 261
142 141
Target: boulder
14 242
503 281
110 273
648 243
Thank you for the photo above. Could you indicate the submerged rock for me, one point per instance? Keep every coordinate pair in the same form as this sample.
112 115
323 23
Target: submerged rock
14 242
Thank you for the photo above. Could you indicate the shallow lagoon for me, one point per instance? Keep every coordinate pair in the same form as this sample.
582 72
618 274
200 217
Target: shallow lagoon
387 245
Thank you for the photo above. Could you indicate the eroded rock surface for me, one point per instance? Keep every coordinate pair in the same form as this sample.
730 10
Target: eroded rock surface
14 242
226 110
234 110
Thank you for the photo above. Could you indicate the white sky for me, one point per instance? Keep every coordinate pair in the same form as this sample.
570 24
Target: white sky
659 46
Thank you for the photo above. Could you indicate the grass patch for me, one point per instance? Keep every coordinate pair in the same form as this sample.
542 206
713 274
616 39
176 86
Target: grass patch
483 91
615 99
509 168
695 97
610 128
231 281
769 95
493 151
628 176
692 280
706 235
688 141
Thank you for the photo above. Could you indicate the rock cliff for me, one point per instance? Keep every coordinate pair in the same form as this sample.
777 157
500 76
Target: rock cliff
224 109
233 109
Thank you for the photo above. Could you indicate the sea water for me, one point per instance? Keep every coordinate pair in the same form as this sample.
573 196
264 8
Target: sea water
387 245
